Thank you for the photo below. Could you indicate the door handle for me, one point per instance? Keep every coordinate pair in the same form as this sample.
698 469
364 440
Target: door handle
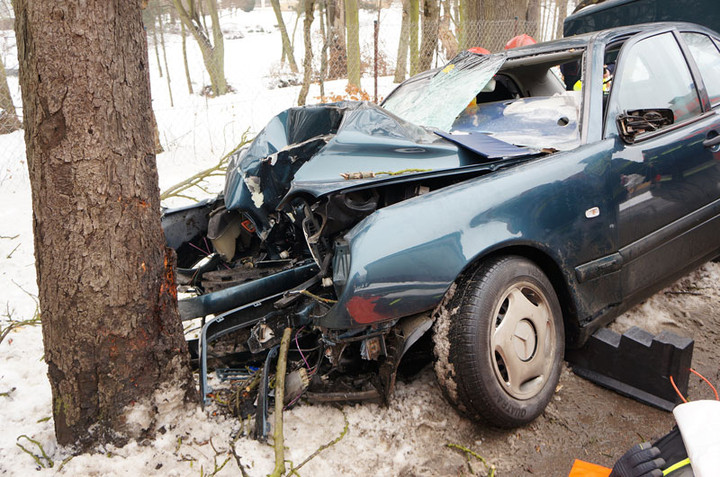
712 141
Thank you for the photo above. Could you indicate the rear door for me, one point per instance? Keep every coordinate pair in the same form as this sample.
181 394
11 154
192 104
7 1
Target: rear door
668 190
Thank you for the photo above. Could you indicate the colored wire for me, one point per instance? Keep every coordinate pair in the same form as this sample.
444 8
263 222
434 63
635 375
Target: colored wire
708 383
298 347
198 248
672 381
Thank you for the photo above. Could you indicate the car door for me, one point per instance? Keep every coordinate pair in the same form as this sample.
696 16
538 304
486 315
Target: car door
668 179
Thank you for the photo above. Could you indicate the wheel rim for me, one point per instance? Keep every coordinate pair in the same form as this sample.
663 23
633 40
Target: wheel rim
522 340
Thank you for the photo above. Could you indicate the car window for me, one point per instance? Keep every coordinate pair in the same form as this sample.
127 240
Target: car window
655 75
707 57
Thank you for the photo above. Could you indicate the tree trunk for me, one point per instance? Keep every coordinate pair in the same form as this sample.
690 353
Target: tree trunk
337 67
352 23
403 43
307 64
185 59
9 121
287 51
414 33
430 31
218 52
473 18
323 52
213 53
447 39
493 14
155 45
110 324
562 11
533 19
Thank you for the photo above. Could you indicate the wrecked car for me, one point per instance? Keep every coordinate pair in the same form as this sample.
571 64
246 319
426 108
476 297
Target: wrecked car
504 206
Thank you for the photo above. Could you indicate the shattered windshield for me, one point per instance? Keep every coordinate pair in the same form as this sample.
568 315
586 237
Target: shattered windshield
436 100
532 101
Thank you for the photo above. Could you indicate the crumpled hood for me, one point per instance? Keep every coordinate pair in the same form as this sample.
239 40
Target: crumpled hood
313 149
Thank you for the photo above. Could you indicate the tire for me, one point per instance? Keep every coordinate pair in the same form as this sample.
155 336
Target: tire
503 375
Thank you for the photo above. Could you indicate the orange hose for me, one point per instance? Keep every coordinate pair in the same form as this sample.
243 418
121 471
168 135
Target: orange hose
672 381
704 379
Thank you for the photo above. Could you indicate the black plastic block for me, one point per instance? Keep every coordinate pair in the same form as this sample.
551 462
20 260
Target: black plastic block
636 364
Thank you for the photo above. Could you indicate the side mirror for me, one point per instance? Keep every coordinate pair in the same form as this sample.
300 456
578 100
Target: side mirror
639 121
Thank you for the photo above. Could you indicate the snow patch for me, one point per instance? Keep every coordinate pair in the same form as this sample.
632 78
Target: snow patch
253 185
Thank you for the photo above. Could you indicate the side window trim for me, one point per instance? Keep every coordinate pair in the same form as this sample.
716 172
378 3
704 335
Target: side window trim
610 126
694 71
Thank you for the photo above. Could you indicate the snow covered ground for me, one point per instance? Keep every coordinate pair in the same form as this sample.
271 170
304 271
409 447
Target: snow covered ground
408 437
195 132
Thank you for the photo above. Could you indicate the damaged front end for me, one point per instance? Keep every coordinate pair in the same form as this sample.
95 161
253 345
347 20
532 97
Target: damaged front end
272 252
289 244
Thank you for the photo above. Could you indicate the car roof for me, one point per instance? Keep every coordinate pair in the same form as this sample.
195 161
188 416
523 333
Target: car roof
602 36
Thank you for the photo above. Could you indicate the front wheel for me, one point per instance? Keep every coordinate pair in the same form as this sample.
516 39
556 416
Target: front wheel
499 342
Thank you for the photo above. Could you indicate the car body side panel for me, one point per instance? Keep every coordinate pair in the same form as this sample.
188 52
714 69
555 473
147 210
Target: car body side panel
405 257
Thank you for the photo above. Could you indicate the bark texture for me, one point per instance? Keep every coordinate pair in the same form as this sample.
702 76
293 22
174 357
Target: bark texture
307 63
111 330
403 44
352 24
337 65
414 35
430 33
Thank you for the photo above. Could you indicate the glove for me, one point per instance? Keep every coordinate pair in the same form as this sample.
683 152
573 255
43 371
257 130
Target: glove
640 461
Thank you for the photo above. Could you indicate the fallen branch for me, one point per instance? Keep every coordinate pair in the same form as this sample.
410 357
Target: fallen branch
7 393
219 169
237 460
15 324
278 440
9 255
470 453
293 470
37 458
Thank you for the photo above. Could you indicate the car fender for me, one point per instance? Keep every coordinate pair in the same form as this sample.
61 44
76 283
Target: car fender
403 258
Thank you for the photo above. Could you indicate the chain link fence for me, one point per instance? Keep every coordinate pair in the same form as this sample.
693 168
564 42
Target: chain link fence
220 72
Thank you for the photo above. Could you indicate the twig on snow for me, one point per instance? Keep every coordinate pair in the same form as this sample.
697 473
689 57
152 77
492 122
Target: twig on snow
196 180
470 453
293 470
278 439
38 458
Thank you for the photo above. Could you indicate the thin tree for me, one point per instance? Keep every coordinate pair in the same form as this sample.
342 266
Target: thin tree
337 63
307 63
414 36
9 121
213 52
430 33
287 49
167 70
562 12
403 43
111 330
352 24
155 45
322 10
448 41
185 58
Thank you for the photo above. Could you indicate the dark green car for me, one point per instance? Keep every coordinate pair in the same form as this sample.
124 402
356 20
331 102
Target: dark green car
513 202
